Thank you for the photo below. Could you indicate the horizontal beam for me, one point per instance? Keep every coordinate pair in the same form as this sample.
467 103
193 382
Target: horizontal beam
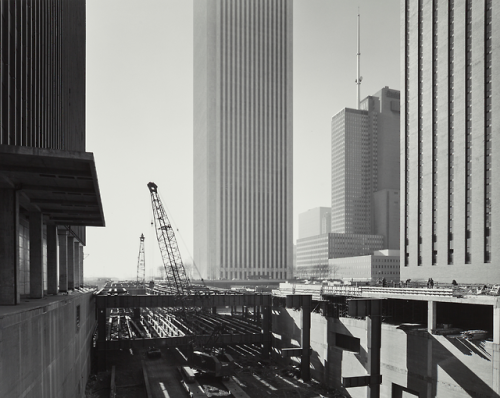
200 301
179 341
361 381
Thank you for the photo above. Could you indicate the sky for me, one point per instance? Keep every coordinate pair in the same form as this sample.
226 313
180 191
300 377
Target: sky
139 111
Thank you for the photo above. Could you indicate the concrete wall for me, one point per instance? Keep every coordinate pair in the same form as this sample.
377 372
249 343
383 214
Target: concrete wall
412 361
44 353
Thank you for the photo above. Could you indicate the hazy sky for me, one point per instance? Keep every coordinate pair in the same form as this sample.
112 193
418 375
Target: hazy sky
140 110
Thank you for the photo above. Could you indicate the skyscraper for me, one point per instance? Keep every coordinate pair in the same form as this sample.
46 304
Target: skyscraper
449 140
365 169
243 139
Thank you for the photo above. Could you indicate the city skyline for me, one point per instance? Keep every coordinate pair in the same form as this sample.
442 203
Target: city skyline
139 88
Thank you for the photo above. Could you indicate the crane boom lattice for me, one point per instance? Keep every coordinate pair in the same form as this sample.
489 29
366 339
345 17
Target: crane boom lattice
141 263
170 254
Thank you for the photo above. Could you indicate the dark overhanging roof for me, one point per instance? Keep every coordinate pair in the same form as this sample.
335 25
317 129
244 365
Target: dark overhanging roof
60 184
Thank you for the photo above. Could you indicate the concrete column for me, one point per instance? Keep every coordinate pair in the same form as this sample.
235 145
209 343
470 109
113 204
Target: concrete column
76 254
431 316
63 260
9 247
374 325
81 264
305 338
496 347
52 277
36 254
71 263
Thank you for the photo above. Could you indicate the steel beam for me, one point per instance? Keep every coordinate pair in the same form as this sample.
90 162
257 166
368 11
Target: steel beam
203 301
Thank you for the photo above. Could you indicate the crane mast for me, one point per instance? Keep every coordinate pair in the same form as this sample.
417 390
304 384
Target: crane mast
170 254
141 264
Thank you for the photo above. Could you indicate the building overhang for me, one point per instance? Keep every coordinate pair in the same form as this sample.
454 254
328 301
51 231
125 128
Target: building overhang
62 185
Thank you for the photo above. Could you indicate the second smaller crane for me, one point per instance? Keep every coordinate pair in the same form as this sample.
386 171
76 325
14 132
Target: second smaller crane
141 264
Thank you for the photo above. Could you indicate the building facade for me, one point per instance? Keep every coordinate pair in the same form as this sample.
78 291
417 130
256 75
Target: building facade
315 221
312 256
371 268
449 140
243 139
350 245
49 194
365 161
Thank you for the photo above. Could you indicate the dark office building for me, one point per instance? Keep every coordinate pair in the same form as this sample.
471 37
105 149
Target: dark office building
49 193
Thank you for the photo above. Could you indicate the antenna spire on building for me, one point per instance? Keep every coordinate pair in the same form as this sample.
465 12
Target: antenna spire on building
359 78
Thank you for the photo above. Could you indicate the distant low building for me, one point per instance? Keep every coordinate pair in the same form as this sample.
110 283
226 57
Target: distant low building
382 264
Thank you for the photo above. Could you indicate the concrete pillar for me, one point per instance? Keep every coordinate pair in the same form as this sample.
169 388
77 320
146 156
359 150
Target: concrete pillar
374 332
9 247
63 260
76 254
431 316
81 265
36 254
52 277
71 263
305 338
496 346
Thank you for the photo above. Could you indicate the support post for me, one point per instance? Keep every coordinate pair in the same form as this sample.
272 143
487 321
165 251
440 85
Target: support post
9 247
63 260
71 263
52 277
374 325
36 254
305 339
431 316
496 347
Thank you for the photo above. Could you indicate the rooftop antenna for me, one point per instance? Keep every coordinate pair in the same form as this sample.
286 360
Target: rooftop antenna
359 78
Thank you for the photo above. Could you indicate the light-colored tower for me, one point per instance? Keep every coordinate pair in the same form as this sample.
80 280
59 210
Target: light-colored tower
450 141
243 138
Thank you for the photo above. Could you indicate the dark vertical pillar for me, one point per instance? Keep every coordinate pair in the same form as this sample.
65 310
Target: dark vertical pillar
36 254
63 260
52 277
374 325
214 310
137 313
76 254
9 247
305 337
101 339
71 263
266 331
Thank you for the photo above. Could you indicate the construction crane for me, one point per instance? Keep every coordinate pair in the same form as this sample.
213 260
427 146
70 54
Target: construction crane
141 264
170 254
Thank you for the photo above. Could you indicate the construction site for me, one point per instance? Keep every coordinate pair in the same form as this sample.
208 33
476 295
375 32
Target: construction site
181 338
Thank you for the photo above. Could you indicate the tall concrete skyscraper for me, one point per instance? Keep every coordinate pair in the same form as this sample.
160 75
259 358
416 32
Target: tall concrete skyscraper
243 138
450 140
365 169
